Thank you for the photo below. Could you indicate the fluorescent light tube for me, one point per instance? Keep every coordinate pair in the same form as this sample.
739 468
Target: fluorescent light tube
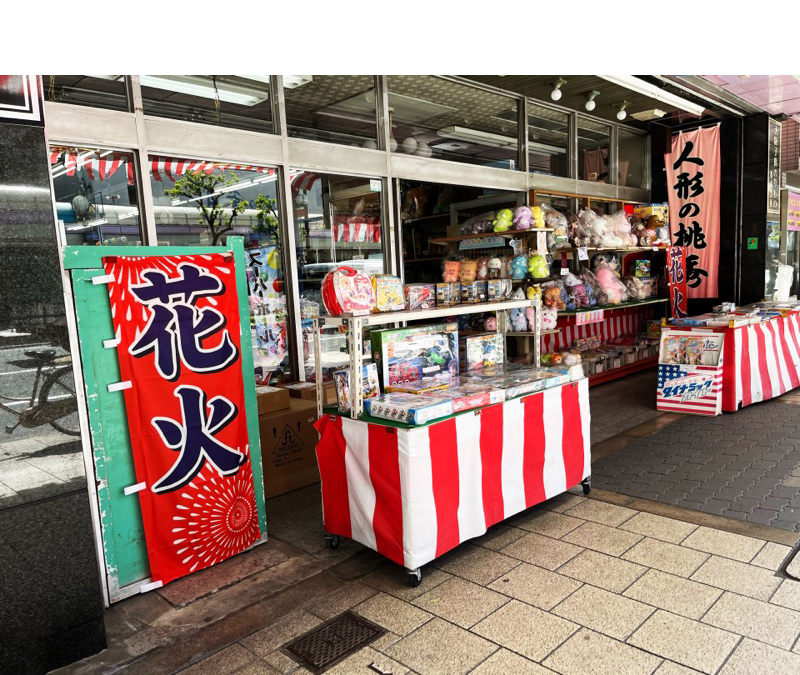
294 81
651 91
182 86
476 136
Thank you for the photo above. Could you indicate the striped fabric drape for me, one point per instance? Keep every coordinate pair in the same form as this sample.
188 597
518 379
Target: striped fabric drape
616 323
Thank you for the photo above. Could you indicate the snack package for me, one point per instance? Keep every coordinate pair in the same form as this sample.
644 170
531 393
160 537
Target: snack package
409 408
388 293
346 290
672 350
369 385
694 351
420 296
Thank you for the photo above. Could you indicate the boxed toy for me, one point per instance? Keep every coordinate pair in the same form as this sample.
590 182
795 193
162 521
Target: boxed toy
589 342
411 354
481 291
369 385
481 351
498 289
420 296
429 385
470 395
388 293
469 293
641 268
409 408
660 210
448 293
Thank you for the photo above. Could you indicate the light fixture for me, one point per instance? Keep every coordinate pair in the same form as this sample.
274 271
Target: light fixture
651 91
294 81
476 136
647 115
621 115
185 84
545 149
557 84
590 104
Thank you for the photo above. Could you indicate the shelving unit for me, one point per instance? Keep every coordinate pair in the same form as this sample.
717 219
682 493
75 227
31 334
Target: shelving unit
613 308
614 373
510 234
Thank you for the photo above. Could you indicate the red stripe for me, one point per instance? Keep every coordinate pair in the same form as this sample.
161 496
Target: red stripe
572 435
533 458
331 449
792 329
745 365
766 383
491 453
54 155
384 473
782 338
87 167
154 169
444 466
130 173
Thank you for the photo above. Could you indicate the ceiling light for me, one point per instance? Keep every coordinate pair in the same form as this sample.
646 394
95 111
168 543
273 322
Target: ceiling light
544 149
647 115
294 81
592 95
651 91
621 115
557 84
477 136
184 84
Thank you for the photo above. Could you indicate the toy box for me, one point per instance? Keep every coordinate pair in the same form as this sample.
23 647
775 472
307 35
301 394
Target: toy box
561 371
481 291
345 290
388 293
481 351
409 408
469 293
641 269
420 296
411 354
498 289
448 294
660 210
429 385
470 395
589 342
369 385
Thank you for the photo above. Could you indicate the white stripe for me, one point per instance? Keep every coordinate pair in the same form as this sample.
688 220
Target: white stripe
471 521
511 461
751 361
737 365
360 492
772 366
555 476
586 425
782 369
111 343
416 487
791 329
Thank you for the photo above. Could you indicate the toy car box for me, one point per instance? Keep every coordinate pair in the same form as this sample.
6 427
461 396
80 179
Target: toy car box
369 385
428 385
481 351
411 354
469 395
409 408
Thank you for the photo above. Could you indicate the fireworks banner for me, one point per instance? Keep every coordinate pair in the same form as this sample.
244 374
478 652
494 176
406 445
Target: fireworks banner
176 322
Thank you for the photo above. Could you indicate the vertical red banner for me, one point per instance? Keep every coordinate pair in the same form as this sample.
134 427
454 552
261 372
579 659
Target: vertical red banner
676 280
693 185
176 320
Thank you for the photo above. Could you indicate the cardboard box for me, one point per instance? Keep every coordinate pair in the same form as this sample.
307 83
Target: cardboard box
271 399
308 391
288 445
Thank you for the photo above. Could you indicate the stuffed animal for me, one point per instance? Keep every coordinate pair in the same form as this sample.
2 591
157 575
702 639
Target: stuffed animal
611 239
530 316
537 266
624 229
636 288
522 218
495 268
552 298
451 268
594 226
533 292
549 318
558 223
519 323
538 216
505 267
483 269
503 221
490 323
469 271
519 267
610 284
596 297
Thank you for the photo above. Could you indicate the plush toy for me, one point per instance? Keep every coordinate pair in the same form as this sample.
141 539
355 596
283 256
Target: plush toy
552 298
610 238
519 323
594 227
483 269
596 297
537 266
503 221
538 216
636 288
570 358
469 271
549 318
530 316
610 284
623 228
519 267
533 292
451 268
477 224
505 267
556 358
490 323
558 223
495 266
522 218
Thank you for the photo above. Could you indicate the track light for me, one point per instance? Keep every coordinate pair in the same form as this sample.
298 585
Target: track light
621 115
592 95
557 84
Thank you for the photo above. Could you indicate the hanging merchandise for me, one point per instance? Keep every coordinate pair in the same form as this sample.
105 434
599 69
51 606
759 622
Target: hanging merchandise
347 291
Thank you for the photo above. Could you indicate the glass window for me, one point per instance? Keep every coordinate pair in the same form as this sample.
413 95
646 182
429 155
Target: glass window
632 159
337 222
96 197
331 108
548 140
235 101
593 142
434 117
97 91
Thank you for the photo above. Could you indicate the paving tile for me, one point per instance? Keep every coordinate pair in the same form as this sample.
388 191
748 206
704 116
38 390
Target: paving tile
280 663
503 662
685 641
535 585
360 663
392 579
771 556
601 538
461 602
440 648
551 523
604 612
659 527
605 571
526 630
588 652
385 641
562 502
267 640
499 536
675 594
726 544
255 668
755 657
393 614
224 661
600 512
759 620
666 557
342 599
672 668
762 516
542 551
788 595
477 564
730 575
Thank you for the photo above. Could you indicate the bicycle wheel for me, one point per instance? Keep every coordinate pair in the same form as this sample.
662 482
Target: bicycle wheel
59 388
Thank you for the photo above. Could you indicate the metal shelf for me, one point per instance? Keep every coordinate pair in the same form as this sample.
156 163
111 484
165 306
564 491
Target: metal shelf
612 308
614 373
482 235
573 249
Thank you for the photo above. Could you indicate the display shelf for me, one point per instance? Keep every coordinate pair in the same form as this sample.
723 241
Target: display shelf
482 235
530 280
421 260
574 249
614 373
612 308
549 331
425 219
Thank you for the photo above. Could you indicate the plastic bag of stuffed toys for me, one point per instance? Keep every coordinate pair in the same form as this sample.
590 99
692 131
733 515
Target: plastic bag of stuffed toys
606 269
570 358
590 281
554 296
559 238
636 288
582 294
477 224
591 230
622 227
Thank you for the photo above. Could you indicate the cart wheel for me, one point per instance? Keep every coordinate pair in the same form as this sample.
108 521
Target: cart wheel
332 540
414 577
587 485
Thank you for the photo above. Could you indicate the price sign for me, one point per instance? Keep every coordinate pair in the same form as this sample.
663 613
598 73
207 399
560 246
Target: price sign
582 253
592 316
564 271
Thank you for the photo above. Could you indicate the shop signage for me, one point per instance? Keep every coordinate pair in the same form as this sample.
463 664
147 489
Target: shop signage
176 321
592 316
774 167
676 277
693 183
752 243
793 211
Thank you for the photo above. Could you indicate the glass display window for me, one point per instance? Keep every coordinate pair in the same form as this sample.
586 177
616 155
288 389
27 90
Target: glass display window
632 159
96 196
594 139
96 91
548 140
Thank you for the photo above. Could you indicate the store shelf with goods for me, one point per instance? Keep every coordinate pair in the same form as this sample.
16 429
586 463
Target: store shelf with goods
549 331
573 249
424 220
612 308
622 371
510 234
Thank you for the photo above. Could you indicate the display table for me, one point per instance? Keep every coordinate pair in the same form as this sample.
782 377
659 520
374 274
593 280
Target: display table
414 493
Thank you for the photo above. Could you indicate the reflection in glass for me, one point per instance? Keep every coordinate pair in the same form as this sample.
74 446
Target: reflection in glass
548 140
97 91
96 197
434 117
632 159
772 258
593 143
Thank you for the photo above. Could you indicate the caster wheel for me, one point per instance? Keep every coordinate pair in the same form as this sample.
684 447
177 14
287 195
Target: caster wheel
587 486
414 578
333 541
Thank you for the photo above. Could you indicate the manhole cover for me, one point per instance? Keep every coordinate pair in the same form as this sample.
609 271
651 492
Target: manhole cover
336 639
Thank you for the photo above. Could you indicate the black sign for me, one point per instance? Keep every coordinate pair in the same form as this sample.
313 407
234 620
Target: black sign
774 167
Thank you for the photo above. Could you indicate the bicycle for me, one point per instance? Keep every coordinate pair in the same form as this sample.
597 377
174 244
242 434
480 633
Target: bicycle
57 400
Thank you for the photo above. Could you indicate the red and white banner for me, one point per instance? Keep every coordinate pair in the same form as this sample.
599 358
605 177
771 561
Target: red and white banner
618 322
676 281
414 494
693 184
761 361
176 320
173 168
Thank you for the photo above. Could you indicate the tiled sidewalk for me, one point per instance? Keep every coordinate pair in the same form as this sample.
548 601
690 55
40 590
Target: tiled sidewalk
578 586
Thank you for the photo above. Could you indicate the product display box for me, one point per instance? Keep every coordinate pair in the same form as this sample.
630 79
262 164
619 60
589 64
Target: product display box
470 395
388 293
660 210
420 296
369 385
288 442
409 408
426 386
411 354
448 294
481 351
271 399
308 391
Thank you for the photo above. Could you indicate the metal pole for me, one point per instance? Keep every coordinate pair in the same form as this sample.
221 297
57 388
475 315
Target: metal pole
140 163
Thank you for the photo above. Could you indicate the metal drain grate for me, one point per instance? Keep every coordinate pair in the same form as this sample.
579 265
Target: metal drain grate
336 639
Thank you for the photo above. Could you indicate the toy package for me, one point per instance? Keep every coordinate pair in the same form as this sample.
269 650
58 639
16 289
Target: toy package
411 354
694 351
481 291
388 293
346 291
641 268
469 293
448 294
369 385
481 351
420 296
470 395
424 386
671 350
498 289
409 408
